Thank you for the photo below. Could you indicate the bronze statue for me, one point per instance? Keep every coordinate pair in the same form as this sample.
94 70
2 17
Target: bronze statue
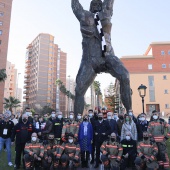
96 58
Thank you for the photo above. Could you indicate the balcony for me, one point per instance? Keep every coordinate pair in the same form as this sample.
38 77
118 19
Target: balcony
27 61
27 76
27 71
26 86
25 91
27 65
26 81
26 97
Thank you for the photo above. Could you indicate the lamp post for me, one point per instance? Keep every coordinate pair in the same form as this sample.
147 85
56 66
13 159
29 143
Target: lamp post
142 93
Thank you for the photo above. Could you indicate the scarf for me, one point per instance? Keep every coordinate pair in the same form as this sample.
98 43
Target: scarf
85 124
100 30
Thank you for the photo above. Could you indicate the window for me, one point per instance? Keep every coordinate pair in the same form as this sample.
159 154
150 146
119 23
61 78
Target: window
165 91
163 65
166 106
1 23
1 14
164 77
149 66
0 32
2 5
169 52
162 52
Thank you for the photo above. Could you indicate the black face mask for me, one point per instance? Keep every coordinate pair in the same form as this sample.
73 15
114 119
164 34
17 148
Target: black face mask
24 120
121 117
100 118
113 139
51 140
145 138
85 119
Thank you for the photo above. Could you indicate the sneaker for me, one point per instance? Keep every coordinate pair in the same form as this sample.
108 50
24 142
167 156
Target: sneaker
10 164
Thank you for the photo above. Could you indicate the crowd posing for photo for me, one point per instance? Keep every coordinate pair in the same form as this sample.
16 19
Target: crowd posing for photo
116 140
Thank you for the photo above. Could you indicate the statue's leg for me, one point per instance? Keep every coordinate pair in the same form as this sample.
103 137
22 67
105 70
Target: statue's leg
84 79
116 68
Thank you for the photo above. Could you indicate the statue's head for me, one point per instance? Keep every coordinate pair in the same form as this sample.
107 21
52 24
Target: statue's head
96 6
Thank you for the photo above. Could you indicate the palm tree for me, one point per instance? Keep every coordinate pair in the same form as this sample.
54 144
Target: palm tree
96 85
11 103
3 75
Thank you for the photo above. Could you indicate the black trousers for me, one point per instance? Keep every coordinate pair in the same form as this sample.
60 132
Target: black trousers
128 162
19 148
85 157
98 145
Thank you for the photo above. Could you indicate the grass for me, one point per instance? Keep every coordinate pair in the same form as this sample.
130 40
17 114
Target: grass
4 164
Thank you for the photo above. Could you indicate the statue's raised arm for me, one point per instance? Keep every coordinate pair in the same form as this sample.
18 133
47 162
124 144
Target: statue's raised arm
77 9
108 4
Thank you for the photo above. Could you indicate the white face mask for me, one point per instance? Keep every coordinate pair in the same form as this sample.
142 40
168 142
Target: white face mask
70 140
34 139
142 118
155 117
78 117
28 113
71 116
115 116
130 113
60 116
90 114
53 115
109 117
127 137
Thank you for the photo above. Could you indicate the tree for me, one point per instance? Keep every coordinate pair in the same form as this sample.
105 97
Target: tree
3 75
96 85
47 109
11 103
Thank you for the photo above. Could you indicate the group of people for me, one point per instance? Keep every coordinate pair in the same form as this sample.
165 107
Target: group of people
117 140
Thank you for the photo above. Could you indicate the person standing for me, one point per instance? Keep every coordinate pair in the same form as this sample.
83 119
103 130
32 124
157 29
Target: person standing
85 138
13 119
129 126
159 131
115 116
101 131
112 123
120 124
22 132
142 126
6 127
130 113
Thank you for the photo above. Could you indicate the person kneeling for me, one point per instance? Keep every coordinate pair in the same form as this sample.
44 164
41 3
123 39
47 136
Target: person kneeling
69 153
147 152
112 153
34 152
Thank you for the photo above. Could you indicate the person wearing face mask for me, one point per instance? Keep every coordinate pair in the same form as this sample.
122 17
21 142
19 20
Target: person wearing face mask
57 127
120 124
159 131
69 153
129 152
53 116
130 113
34 153
147 154
79 118
142 126
50 161
115 116
101 130
21 135
71 126
6 127
112 123
129 126
111 153
85 138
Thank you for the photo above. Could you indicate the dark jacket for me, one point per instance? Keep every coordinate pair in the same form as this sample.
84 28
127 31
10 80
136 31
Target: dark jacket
113 125
141 127
57 127
119 126
81 136
6 125
129 147
100 128
22 132
46 129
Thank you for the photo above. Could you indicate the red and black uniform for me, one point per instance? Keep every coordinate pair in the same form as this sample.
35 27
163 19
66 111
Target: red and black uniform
23 133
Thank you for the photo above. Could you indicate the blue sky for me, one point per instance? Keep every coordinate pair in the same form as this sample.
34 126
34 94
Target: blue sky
135 25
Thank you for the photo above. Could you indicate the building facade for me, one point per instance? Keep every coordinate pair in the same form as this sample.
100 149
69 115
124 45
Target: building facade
11 81
5 17
152 70
44 64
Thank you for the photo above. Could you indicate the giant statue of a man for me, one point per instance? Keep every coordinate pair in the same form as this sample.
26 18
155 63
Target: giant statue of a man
98 54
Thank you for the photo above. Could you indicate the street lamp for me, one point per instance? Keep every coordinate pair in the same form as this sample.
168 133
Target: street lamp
142 93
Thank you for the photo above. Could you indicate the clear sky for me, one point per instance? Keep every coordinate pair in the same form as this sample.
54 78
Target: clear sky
136 23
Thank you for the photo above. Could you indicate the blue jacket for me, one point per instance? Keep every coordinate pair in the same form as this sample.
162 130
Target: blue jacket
89 136
113 125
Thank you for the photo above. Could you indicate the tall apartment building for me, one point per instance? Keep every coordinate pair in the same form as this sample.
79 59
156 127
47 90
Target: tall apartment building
45 63
5 17
11 81
153 70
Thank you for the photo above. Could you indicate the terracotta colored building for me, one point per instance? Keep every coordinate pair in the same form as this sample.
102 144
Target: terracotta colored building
44 64
5 17
153 70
